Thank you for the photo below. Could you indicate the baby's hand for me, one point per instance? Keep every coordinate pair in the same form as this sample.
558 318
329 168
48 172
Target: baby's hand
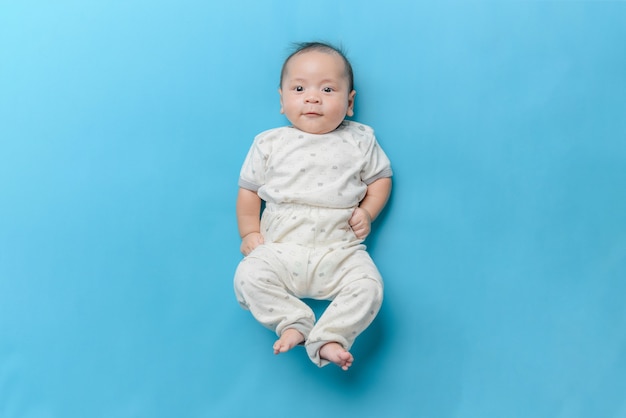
360 221
250 242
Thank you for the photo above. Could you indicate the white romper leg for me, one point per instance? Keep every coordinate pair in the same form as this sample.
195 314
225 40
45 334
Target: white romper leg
264 284
349 278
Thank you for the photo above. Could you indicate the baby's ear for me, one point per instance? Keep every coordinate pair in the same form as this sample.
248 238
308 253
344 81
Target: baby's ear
350 111
280 93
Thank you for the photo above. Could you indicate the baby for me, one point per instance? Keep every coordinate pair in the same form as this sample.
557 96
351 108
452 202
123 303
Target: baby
324 180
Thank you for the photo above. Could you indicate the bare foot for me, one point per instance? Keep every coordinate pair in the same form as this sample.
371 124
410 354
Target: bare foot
335 353
288 340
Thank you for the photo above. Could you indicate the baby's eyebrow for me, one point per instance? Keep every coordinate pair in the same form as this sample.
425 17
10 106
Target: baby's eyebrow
304 80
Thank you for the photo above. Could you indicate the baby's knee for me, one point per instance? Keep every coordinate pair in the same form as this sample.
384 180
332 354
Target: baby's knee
374 287
245 277
367 289
255 274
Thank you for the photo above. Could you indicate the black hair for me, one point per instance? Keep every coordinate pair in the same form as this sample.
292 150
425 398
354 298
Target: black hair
300 47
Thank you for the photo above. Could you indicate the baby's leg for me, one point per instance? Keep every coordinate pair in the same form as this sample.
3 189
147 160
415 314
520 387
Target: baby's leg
349 314
352 310
260 288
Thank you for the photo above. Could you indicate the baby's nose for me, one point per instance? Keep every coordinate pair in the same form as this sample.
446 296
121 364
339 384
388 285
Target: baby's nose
312 98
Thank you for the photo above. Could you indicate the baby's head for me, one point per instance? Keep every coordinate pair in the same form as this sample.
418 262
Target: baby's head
316 88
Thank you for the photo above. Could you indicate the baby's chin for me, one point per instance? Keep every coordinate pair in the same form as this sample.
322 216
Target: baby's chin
315 130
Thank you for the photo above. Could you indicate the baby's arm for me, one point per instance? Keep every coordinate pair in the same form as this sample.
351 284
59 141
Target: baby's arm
248 220
370 207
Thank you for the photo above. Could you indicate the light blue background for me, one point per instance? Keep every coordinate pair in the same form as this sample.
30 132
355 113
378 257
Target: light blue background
123 125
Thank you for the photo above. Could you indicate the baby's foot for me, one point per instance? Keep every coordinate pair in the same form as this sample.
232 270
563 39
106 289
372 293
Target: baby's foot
288 340
335 353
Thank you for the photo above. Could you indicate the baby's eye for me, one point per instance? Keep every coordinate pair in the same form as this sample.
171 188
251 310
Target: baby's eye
327 89
299 88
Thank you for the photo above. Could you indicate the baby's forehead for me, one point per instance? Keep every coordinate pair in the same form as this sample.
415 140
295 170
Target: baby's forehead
338 62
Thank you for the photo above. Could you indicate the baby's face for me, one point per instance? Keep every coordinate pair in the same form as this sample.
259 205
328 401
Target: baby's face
314 93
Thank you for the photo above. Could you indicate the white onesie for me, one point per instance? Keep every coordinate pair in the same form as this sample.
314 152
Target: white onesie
311 185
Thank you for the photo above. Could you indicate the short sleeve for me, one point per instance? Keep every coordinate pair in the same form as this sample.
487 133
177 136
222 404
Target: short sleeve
252 175
377 164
